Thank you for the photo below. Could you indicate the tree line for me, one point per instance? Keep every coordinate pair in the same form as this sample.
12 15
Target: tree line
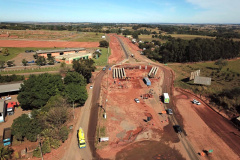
178 50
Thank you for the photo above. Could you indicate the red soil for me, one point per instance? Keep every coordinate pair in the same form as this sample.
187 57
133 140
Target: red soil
46 44
117 53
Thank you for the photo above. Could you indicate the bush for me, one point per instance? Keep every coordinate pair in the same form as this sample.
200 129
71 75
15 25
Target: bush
103 43
64 133
46 146
37 152
55 143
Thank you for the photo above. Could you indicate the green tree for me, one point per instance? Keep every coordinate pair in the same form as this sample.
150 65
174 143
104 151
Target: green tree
76 93
46 148
221 63
5 153
64 133
51 60
10 63
76 78
2 63
37 90
5 52
19 125
84 67
103 43
24 62
41 61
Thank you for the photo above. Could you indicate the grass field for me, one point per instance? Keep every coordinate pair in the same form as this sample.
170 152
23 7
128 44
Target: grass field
102 60
87 37
15 51
189 37
149 38
227 78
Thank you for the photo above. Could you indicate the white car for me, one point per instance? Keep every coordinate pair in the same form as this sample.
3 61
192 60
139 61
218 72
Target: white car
91 87
196 102
8 98
136 100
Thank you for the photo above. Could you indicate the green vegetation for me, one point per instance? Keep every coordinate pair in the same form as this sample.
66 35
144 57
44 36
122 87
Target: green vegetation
5 153
188 37
87 37
224 81
102 60
85 67
103 43
11 78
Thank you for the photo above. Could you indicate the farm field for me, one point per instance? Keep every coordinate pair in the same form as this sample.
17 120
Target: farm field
189 37
227 78
149 38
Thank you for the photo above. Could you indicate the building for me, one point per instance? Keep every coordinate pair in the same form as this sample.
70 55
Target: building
68 58
2 110
58 52
66 55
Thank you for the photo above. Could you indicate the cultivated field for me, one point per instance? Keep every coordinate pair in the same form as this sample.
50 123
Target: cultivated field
188 37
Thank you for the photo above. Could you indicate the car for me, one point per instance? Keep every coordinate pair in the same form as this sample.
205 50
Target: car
169 111
177 128
196 102
81 138
136 100
91 87
104 68
8 98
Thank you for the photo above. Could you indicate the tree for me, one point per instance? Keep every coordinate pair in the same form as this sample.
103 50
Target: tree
51 60
41 61
10 63
84 67
76 93
24 62
2 63
5 153
37 90
46 148
6 52
20 127
221 63
103 43
76 78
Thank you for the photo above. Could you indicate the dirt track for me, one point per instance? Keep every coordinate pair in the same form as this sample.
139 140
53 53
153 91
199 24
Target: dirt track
47 44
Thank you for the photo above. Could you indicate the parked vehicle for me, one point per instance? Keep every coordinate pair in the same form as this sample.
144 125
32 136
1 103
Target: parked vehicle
8 98
81 138
166 97
196 102
10 107
136 100
104 68
7 136
177 128
169 111
91 87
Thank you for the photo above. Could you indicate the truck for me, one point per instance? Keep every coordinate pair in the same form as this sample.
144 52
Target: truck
7 136
10 107
81 138
166 97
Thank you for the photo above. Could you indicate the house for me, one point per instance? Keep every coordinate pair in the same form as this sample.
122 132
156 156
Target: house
2 110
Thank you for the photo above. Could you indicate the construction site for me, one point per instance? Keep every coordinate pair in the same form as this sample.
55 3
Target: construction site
128 121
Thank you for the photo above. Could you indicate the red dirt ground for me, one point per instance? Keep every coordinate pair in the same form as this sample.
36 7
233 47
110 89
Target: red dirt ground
117 53
126 122
47 44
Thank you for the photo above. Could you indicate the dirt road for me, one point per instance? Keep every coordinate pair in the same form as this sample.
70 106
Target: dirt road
87 121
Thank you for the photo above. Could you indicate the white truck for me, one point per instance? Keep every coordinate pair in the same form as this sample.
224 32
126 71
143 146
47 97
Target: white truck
166 97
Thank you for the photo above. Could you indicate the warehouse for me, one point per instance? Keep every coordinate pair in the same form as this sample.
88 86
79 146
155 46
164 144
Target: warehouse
68 58
58 52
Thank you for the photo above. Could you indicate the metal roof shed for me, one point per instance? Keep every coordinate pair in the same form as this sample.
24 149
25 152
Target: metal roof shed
147 81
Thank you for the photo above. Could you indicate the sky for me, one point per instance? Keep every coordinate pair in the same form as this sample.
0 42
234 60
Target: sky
121 11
